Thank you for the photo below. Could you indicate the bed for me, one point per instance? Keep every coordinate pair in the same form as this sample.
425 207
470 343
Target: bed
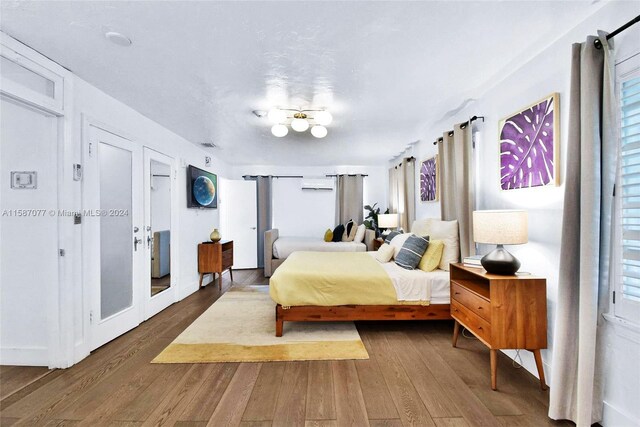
326 286
277 249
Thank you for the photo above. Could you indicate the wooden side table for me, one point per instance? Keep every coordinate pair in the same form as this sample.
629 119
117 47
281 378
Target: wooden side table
215 258
503 312
377 242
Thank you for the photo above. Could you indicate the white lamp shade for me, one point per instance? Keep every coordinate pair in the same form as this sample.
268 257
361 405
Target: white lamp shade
279 130
503 227
299 125
387 220
323 118
277 116
319 131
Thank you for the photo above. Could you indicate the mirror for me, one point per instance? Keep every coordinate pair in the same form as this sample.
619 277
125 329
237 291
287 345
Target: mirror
159 231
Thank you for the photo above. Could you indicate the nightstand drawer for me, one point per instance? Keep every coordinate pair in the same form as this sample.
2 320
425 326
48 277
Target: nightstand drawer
474 323
471 300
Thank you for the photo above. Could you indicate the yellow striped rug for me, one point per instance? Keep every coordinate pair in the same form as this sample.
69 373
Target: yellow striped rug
240 327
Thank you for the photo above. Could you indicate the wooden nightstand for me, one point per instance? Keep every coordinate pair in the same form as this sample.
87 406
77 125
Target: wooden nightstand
503 312
377 243
215 258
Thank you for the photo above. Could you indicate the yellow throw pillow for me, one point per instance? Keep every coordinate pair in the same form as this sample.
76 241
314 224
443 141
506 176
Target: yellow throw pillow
431 258
328 235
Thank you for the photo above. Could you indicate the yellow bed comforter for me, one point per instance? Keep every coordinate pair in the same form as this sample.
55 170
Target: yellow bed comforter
331 278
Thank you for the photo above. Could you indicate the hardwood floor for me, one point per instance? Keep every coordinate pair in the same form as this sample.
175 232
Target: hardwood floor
413 377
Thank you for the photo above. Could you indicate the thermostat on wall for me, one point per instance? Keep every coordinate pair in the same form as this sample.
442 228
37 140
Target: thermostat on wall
23 180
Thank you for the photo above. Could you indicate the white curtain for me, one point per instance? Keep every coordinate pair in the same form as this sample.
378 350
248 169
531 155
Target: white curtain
583 288
402 192
349 196
457 185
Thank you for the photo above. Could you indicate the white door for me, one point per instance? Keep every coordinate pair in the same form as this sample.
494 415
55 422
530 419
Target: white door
28 233
159 289
113 238
239 220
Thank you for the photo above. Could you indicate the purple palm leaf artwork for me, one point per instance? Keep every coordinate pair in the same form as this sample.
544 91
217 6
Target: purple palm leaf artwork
528 146
429 180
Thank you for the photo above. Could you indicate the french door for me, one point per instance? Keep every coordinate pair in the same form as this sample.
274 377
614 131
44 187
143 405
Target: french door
113 242
159 269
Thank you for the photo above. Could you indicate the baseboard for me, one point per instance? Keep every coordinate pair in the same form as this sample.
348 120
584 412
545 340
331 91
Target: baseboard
185 291
615 417
38 356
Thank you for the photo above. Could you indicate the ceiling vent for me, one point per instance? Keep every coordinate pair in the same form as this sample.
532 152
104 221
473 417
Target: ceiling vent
209 144
317 184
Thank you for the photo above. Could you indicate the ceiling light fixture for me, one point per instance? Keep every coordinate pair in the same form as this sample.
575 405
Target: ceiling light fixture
279 130
299 120
319 131
118 38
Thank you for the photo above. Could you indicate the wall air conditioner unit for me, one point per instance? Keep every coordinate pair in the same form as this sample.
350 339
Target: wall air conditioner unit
317 184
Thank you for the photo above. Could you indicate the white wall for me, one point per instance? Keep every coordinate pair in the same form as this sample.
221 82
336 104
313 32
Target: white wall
194 225
298 212
67 318
547 72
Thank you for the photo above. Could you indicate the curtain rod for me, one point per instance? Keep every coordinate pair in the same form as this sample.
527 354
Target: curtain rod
598 44
462 126
271 176
351 174
409 159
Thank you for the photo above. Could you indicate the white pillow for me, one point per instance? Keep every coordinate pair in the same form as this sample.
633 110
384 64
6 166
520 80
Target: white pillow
397 243
446 231
360 234
384 253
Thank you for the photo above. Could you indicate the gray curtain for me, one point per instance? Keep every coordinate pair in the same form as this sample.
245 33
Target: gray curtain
457 184
264 186
349 196
576 380
402 192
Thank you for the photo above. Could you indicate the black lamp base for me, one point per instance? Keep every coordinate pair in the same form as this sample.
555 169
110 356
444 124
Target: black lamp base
500 261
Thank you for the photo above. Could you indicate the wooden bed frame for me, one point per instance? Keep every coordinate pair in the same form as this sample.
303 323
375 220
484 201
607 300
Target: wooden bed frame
342 313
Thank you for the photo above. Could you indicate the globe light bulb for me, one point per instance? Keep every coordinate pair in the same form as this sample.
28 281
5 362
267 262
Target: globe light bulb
279 130
319 131
323 118
277 116
299 125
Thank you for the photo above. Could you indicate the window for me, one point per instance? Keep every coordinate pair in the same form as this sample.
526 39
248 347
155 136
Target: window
627 263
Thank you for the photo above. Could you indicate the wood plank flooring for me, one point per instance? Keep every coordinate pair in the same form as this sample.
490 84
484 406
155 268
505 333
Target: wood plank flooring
413 378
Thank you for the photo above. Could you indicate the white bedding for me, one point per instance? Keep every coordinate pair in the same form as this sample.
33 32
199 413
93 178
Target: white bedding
418 285
285 246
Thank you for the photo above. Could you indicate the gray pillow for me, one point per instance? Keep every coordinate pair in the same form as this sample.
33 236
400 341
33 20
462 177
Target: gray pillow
391 235
412 251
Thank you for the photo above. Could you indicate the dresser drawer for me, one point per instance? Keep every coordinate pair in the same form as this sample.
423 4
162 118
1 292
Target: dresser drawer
471 300
474 323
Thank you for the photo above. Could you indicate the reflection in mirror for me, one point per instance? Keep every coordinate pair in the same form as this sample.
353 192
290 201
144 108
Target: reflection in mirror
159 231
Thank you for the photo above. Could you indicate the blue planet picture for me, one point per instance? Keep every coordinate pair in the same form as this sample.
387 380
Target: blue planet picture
201 188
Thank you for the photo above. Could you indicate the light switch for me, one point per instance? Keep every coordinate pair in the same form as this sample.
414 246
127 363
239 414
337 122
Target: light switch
24 180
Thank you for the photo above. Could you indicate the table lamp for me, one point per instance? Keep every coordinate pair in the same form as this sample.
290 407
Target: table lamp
500 227
388 220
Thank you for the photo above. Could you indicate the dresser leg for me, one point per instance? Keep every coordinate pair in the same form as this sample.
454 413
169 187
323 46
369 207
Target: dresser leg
201 276
494 369
538 357
456 332
220 281
231 273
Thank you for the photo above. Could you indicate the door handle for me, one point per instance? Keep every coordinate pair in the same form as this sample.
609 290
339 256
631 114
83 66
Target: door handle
136 241
253 228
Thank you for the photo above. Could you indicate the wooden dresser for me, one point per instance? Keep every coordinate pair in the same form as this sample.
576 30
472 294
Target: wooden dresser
503 312
215 258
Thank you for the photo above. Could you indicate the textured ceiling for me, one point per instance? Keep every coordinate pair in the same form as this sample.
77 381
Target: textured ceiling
383 69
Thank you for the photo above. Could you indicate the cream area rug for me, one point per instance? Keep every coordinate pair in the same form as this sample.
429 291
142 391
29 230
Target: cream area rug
240 327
